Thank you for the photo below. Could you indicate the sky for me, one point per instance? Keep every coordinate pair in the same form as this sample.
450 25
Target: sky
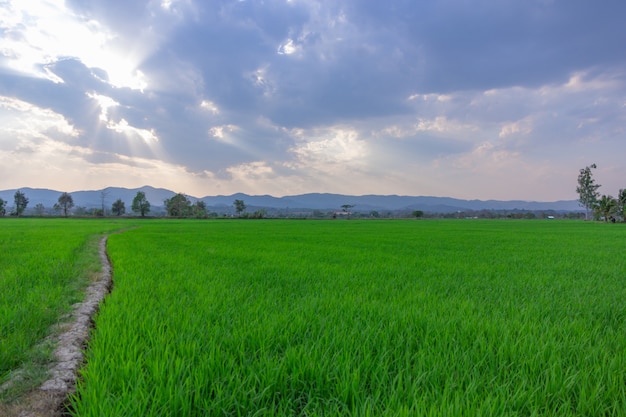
477 99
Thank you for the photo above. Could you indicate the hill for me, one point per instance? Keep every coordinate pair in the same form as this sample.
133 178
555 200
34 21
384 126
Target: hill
312 201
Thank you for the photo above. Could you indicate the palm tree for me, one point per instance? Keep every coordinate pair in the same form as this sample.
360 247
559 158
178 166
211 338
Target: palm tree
606 206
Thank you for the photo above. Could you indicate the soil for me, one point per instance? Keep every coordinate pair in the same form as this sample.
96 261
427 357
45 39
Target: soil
50 399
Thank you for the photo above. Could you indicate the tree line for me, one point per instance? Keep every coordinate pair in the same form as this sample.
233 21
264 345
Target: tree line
65 203
21 202
177 206
604 206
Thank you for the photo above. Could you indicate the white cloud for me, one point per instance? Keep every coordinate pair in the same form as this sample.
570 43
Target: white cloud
441 124
106 103
147 135
251 171
438 125
522 127
20 120
581 81
332 146
430 97
40 32
210 106
222 133
289 47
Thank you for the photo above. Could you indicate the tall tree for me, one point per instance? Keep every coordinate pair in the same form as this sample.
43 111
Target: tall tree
3 207
621 203
178 206
103 196
21 202
66 203
587 189
140 204
240 206
118 208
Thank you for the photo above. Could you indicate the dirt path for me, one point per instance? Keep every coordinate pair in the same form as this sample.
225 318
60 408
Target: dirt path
49 399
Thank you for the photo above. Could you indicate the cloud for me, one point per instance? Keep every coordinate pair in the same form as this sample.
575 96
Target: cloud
130 131
210 106
221 133
289 47
520 127
332 149
41 33
23 121
120 126
438 97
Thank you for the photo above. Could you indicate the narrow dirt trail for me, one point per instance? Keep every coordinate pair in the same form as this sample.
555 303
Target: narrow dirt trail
49 399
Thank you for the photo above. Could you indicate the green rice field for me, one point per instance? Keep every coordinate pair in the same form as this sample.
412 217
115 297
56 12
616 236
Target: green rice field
44 266
359 318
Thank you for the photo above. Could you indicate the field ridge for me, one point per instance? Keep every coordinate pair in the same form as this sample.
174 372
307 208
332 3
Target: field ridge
50 399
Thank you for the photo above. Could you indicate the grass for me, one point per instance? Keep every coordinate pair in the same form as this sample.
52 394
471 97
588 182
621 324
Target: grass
44 267
361 318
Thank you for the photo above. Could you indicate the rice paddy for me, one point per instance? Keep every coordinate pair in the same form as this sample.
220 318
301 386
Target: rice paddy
361 318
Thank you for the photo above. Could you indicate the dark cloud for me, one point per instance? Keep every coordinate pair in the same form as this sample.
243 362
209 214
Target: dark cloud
449 75
484 45
67 98
360 58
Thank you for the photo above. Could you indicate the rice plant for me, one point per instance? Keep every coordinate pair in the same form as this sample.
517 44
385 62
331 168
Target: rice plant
360 318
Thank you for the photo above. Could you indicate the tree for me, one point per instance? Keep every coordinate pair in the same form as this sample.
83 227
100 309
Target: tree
40 209
178 206
259 214
118 208
103 195
65 203
140 204
78 211
418 213
621 204
346 207
3 209
199 209
239 206
606 206
587 189
21 202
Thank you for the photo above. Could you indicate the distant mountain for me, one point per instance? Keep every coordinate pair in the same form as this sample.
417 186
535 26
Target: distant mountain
89 199
431 204
313 201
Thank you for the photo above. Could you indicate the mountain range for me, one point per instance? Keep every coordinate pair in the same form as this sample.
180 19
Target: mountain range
312 201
